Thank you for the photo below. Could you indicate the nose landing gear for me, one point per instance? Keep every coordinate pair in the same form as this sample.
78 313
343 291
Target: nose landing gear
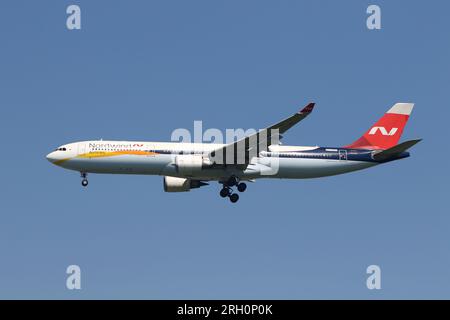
227 190
85 181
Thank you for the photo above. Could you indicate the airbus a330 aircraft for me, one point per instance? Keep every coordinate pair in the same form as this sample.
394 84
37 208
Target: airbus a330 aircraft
186 166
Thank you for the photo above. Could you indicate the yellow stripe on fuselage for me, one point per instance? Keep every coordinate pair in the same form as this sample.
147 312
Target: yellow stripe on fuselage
58 162
105 154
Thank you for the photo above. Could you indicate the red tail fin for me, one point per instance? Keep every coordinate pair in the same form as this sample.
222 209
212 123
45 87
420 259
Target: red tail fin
387 131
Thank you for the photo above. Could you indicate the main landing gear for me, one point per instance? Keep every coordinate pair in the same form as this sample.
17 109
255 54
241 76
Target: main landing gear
85 181
227 190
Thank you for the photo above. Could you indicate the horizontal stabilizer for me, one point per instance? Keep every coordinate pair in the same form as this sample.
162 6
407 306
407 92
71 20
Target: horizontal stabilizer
394 151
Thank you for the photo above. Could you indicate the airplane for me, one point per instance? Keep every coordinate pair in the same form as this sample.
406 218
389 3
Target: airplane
186 166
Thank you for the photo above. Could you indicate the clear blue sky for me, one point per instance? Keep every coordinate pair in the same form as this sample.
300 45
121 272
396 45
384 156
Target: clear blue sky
139 69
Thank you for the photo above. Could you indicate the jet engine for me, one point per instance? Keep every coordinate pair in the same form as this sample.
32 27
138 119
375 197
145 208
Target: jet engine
174 184
190 164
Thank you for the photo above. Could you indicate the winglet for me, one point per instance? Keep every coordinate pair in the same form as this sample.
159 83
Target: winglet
309 108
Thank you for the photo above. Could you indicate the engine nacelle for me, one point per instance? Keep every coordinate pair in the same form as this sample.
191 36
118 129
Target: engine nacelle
175 184
190 164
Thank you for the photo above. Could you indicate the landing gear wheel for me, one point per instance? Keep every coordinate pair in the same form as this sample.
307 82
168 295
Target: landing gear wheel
225 192
234 197
241 187
84 182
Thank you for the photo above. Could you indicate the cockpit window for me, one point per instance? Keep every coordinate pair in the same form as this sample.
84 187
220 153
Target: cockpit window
61 149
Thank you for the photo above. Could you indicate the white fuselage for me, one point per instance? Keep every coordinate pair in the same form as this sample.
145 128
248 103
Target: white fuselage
160 158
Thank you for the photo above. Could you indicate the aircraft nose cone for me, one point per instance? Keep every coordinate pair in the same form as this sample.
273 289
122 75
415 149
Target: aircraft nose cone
51 157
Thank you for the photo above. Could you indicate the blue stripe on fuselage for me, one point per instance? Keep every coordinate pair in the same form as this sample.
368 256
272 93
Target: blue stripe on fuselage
326 153
333 154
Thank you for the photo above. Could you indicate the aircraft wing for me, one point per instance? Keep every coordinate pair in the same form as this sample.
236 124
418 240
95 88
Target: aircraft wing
242 151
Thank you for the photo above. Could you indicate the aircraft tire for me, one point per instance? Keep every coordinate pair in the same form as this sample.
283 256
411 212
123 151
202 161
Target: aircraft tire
234 197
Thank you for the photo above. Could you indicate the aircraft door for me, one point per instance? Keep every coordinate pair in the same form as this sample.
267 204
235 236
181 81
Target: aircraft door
81 148
342 154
